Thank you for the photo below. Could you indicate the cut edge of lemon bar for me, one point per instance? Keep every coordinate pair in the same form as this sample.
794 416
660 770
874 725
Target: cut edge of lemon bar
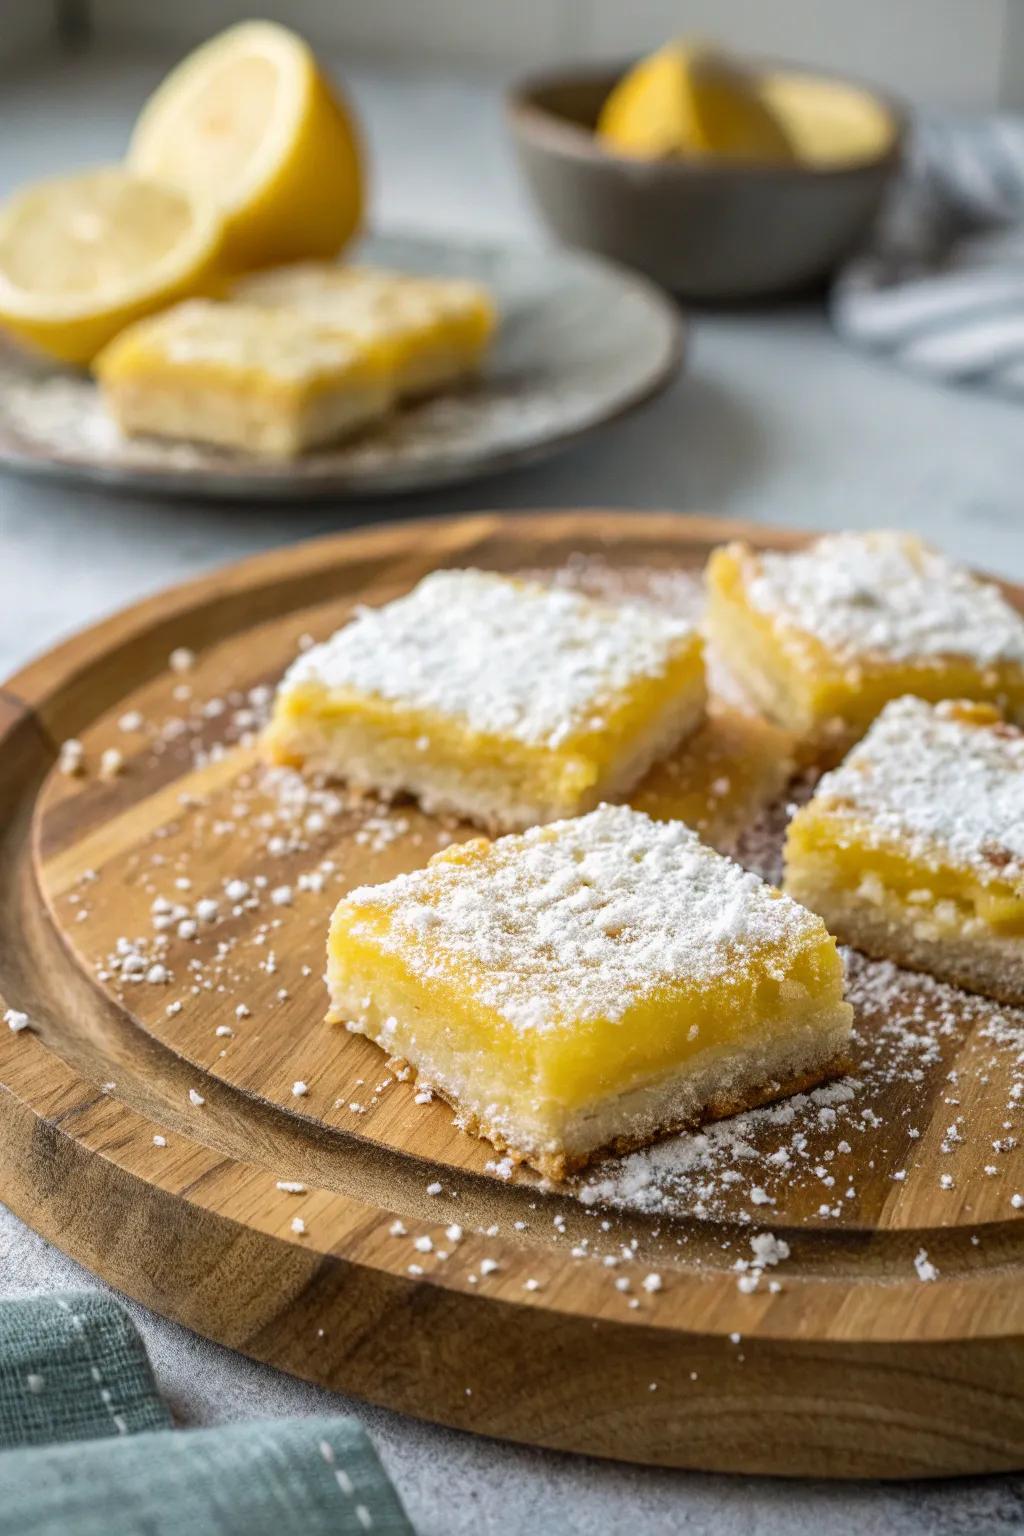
505 702
913 849
434 331
241 377
821 638
590 985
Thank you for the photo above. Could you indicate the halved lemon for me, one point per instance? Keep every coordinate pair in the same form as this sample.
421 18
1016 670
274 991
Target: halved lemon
687 100
83 256
829 122
249 120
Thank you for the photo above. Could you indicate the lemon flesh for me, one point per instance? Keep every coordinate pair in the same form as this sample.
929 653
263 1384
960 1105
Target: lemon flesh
692 102
83 256
249 120
829 122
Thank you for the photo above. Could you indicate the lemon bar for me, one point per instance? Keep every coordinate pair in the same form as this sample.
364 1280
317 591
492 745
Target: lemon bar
435 331
822 638
913 849
591 984
506 702
242 377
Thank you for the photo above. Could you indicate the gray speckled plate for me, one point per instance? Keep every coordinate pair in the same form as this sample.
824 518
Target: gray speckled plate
580 343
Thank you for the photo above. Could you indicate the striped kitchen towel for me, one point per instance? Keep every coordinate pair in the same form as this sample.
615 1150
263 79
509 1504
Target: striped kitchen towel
940 288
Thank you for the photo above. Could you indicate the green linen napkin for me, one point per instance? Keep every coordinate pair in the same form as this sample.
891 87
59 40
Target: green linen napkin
72 1368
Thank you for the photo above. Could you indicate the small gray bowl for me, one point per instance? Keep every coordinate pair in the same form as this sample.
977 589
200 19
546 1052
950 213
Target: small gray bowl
706 229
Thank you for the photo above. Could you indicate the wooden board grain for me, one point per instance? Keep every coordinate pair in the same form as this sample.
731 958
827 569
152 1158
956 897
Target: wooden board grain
840 1361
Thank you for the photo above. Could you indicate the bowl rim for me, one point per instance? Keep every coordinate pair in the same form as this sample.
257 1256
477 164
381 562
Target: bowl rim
572 141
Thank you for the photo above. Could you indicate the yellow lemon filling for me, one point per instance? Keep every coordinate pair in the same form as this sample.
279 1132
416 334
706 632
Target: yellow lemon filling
929 891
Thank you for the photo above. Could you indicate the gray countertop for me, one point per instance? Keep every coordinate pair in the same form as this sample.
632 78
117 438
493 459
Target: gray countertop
773 420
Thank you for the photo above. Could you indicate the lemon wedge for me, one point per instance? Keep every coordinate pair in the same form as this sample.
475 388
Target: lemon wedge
690 101
829 122
82 256
249 120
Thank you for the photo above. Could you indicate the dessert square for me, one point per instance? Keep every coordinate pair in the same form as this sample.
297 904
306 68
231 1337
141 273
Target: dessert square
434 331
913 849
502 701
237 376
822 638
591 984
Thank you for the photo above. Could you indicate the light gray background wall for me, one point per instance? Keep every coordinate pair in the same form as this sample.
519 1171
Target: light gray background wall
951 52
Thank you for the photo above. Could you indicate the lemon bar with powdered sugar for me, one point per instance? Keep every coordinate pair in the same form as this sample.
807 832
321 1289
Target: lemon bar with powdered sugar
507 702
590 984
913 849
822 638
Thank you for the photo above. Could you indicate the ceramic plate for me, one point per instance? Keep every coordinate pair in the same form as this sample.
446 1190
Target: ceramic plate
581 342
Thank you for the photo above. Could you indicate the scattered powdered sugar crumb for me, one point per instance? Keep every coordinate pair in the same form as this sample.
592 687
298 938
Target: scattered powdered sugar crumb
769 1249
111 763
886 593
196 1098
507 657
71 757
926 1270
16 1020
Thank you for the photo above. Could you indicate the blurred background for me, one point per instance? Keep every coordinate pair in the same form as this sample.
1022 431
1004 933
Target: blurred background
777 416
963 53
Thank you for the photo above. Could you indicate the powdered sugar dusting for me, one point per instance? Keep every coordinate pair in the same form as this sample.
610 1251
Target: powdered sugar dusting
576 920
507 658
939 785
886 594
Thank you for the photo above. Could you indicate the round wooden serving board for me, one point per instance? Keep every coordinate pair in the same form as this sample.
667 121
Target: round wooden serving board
888 1341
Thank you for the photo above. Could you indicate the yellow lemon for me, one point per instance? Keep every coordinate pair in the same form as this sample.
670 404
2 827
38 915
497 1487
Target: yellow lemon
84 255
829 122
249 120
690 101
